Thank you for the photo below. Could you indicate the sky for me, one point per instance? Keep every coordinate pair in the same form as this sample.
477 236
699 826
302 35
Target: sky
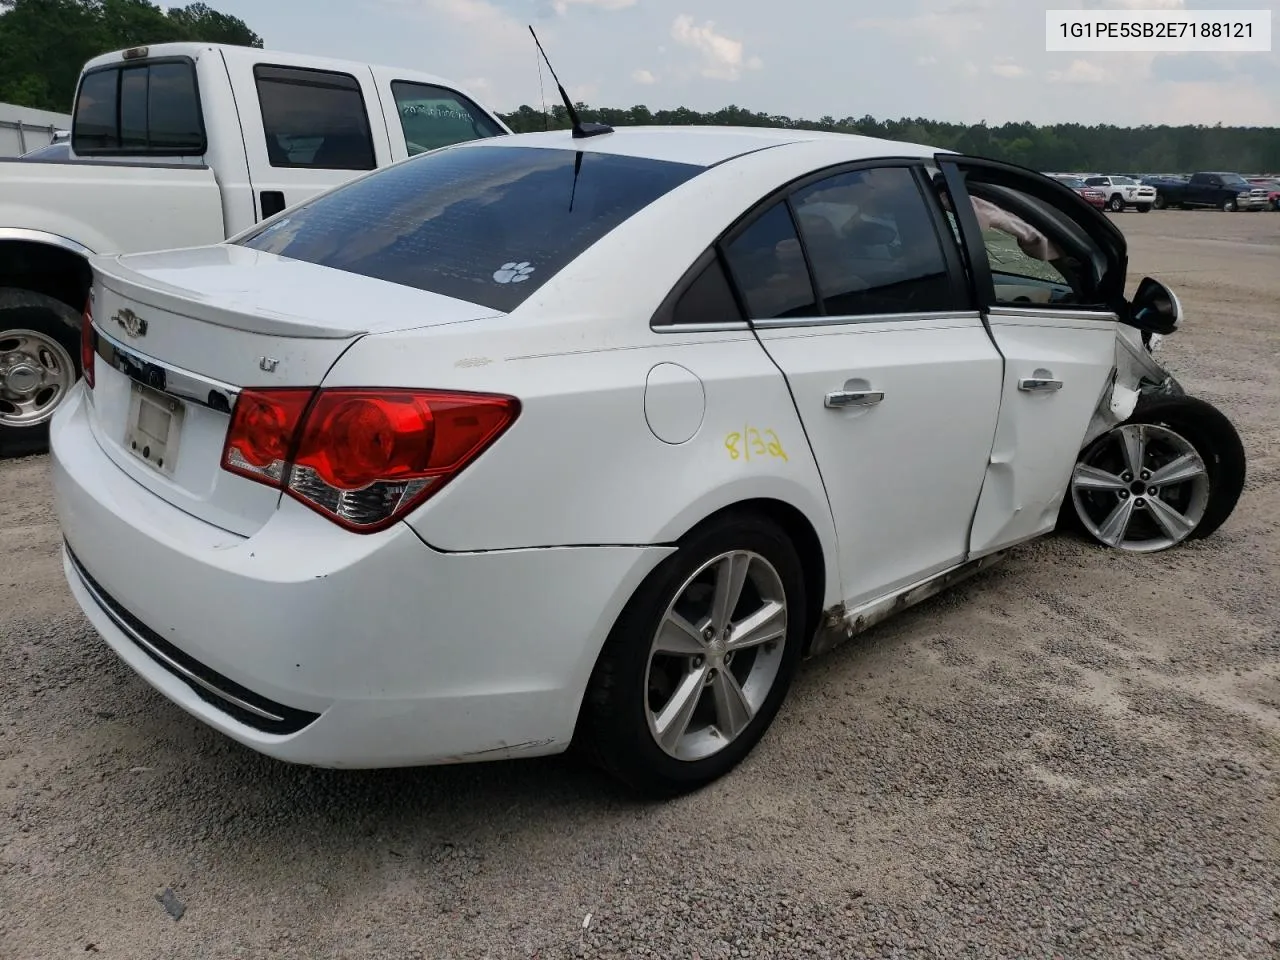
956 60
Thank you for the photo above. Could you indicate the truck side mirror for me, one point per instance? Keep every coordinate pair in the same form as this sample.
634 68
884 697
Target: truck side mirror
1155 308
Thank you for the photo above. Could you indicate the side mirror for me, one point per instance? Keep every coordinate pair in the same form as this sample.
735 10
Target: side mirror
1155 308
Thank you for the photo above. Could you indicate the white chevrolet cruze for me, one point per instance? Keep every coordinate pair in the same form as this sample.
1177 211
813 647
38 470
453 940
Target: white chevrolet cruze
557 438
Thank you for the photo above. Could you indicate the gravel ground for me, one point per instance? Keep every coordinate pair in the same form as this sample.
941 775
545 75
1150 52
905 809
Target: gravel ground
1074 755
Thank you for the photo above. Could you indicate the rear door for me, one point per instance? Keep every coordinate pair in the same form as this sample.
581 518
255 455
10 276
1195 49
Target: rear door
857 294
1048 272
306 128
423 116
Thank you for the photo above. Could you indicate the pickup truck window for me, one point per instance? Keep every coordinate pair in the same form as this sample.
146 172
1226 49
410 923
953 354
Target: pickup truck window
433 117
148 109
314 118
485 224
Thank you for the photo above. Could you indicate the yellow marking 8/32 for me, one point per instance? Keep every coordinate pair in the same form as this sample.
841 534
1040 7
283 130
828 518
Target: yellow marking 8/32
753 443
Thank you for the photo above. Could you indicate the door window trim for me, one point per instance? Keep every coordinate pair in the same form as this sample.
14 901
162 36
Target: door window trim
457 94
120 151
266 134
1053 193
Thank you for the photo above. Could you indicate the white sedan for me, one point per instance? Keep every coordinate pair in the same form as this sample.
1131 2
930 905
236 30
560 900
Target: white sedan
550 438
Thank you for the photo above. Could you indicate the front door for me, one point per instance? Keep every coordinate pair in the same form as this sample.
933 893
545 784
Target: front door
1048 272
856 297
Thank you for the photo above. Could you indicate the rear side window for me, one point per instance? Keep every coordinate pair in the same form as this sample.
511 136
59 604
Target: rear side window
768 265
486 224
872 244
433 117
314 118
149 109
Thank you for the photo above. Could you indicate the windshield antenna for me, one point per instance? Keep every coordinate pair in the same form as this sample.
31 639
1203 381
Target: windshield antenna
580 129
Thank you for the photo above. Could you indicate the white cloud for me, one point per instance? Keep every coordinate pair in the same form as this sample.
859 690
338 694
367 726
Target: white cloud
562 6
645 77
1008 70
1080 71
722 57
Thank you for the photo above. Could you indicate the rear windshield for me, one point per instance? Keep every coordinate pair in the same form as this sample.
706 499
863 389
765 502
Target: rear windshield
489 225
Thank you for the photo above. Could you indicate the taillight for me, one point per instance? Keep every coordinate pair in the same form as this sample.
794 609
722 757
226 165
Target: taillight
263 427
363 458
88 344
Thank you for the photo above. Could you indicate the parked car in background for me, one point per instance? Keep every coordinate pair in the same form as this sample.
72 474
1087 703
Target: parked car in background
1123 192
1272 188
57 150
358 488
1093 195
1225 191
222 137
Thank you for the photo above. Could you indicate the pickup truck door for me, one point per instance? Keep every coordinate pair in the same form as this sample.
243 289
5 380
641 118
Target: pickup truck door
305 129
1055 325
422 116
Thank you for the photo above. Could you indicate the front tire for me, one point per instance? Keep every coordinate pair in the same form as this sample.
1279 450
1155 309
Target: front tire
1230 206
1160 202
1144 208
1172 472
700 660
39 364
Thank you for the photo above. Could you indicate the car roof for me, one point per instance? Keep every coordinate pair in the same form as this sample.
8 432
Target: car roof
702 145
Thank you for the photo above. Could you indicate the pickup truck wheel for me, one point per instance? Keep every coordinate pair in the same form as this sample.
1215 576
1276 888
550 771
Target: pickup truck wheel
1160 202
1144 208
39 364
1117 204
1172 472
1230 206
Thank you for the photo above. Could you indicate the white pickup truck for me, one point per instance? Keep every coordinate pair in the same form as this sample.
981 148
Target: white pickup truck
179 145
1123 192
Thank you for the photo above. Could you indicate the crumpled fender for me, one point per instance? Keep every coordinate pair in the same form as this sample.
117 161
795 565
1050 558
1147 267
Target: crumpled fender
1136 373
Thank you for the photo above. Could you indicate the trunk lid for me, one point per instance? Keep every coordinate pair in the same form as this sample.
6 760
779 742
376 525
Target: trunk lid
181 332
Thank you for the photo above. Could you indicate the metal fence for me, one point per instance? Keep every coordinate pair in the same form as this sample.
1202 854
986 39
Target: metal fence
22 129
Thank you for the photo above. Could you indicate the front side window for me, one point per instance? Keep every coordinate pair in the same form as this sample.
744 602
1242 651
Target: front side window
485 224
314 118
872 244
433 117
1037 255
139 110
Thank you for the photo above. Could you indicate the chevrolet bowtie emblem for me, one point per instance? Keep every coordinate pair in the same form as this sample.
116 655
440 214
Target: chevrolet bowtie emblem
131 323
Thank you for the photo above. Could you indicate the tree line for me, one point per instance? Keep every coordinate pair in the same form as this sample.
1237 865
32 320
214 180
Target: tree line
1053 147
45 43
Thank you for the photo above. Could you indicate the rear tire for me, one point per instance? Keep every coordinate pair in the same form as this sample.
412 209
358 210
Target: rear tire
1116 204
39 364
626 724
1160 202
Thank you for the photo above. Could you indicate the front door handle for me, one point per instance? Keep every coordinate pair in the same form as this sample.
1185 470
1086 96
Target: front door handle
1039 384
853 398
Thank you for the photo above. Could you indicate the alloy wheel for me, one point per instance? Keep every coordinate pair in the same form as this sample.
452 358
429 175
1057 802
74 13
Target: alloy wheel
715 655
36 373
1140 488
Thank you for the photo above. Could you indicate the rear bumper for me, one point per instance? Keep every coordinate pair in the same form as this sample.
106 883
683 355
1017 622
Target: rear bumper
318 646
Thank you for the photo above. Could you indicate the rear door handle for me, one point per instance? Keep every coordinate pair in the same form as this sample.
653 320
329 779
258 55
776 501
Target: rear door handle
853 398
1039 384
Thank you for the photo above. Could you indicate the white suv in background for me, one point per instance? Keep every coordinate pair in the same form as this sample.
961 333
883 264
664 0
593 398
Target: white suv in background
1124 192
